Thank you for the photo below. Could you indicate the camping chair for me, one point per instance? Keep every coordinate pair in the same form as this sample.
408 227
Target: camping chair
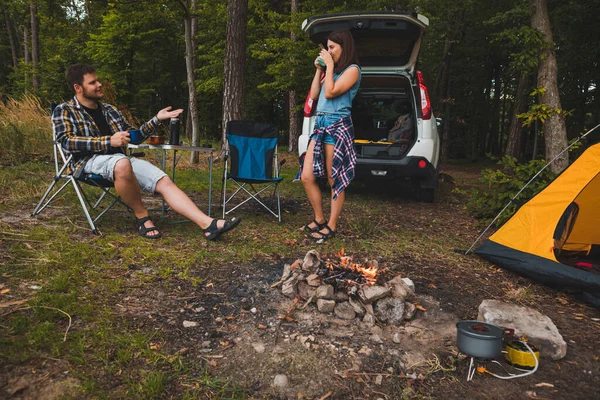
61 173
251 151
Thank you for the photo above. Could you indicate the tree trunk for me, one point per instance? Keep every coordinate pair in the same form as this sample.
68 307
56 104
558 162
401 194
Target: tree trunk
294 114
35 44
26 56
11 40
454 32
513 144
190 22
235 62
492 144
555 130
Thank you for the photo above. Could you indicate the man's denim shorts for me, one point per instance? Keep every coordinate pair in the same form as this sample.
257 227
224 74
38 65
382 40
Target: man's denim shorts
146 173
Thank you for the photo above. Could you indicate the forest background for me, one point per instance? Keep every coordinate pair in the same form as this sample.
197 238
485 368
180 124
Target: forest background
481 60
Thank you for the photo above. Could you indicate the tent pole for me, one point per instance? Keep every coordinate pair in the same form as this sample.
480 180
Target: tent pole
527 184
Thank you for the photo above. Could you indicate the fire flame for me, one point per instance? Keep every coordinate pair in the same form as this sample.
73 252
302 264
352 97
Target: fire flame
369 274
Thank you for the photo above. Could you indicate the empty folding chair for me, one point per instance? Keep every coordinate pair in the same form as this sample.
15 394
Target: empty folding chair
251 153
64 177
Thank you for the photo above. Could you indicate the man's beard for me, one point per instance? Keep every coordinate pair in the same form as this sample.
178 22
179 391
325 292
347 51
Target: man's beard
92 95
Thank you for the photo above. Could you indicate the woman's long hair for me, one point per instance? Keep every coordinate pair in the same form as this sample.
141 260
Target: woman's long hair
346 42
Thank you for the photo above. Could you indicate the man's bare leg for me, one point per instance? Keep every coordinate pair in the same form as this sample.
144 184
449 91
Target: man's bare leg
128 189
182 204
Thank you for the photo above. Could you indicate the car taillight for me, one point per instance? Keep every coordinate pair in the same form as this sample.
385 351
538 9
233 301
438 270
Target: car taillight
309 104
422 164
425 103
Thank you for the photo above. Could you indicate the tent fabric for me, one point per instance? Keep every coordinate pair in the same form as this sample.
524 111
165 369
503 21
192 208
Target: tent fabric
564 217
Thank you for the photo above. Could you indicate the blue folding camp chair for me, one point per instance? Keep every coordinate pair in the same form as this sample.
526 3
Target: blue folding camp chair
251 152
93 212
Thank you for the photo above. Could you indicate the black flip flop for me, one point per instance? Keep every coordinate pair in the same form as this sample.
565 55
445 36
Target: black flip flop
215 232
322 236
143 231
318 227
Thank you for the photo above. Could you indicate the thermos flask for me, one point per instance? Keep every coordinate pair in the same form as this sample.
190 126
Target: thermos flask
174 131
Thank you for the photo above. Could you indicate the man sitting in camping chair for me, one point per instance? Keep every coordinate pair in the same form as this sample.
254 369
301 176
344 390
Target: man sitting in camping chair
97 135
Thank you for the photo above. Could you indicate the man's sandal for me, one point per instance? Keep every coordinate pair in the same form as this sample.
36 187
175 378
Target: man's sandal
318 227
214 232
320 237
143 231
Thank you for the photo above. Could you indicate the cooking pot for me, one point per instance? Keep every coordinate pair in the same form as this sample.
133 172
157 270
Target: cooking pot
479 339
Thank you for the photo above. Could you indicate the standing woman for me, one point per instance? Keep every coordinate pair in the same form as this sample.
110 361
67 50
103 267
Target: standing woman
331 147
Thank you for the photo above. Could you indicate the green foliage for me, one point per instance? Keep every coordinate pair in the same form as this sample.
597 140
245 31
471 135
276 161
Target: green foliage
541 112
498 187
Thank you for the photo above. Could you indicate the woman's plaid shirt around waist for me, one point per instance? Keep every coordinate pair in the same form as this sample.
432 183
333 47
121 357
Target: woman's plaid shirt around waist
344 155
79 135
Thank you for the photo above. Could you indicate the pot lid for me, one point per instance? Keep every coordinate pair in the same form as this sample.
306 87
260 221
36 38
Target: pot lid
480 330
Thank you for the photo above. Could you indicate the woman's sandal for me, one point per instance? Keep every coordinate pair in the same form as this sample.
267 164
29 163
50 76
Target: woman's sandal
322 236
318 227
143 231
214 232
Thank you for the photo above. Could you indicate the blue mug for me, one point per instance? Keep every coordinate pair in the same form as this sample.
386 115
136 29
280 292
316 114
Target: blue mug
135 136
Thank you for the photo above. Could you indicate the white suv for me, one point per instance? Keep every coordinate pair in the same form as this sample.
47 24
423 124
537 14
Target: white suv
395 130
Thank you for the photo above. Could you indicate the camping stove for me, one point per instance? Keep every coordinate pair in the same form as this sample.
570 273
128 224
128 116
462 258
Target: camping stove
484 343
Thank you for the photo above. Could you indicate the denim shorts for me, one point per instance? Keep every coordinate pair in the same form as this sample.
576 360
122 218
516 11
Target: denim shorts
146 173
326 119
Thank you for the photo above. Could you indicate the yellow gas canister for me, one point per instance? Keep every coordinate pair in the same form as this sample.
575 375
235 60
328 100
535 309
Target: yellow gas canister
518 356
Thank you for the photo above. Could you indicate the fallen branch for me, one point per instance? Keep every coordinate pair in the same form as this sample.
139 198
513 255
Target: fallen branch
48 308
328 395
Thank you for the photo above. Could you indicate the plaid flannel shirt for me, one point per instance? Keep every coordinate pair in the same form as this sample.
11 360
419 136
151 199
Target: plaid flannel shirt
79 135
344 154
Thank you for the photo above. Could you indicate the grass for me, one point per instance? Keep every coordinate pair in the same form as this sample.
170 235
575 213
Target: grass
88 277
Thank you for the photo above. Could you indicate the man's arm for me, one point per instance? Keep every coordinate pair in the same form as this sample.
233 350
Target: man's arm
68 132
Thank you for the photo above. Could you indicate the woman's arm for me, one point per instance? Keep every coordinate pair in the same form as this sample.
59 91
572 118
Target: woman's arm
315 86
344 82
342 85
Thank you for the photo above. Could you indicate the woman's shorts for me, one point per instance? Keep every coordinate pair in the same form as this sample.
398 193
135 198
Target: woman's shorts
326 119
146 173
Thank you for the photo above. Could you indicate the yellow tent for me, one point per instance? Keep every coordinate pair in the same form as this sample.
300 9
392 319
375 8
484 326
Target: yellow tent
555 237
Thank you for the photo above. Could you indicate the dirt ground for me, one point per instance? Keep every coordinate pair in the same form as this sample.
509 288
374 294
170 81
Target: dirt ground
240 335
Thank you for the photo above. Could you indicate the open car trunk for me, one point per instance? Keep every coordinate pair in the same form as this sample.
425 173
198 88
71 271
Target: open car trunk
384 116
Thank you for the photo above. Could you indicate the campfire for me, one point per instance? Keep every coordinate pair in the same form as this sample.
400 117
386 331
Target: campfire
349 289
343 274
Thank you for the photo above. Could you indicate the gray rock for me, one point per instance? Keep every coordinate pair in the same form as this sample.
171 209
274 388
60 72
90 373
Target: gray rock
325 292
280 381
409 311
311 261
340 296
325 306
189 324
344 311
400 290
370 294
289 287
409 283
390 310
540 329
287 270
259 347
369 319
314 280
357 306
305 290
